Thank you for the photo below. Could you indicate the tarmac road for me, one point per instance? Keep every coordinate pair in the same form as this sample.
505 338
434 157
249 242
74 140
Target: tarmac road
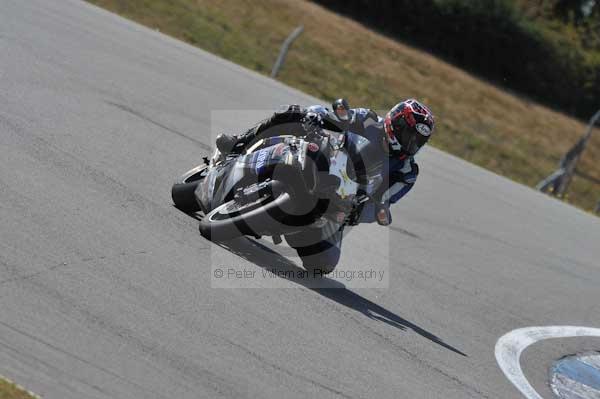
105 288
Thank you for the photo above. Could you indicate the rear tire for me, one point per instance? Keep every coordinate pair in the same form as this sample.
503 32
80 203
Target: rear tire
183 191
319 271
319 249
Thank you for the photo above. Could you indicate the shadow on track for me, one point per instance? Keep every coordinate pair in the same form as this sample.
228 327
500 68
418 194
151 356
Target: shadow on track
266 258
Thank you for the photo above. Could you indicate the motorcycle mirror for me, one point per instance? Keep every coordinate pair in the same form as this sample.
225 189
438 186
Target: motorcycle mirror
341 109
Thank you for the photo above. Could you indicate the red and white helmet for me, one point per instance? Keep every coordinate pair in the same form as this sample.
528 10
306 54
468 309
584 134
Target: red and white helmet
408 126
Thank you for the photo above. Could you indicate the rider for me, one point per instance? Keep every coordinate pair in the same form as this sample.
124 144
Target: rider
395 139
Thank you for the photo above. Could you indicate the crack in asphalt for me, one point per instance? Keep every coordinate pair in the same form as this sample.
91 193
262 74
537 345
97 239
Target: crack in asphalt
283 370
69 354
414 357
405 232
148 347
162 126
31 275
18 277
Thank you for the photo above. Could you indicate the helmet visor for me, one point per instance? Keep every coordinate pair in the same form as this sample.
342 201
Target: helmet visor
411 140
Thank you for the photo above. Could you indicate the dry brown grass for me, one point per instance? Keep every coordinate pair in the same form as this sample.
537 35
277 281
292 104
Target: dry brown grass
336 56
11 391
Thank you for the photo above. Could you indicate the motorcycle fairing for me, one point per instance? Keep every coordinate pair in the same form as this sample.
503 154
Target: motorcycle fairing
220 183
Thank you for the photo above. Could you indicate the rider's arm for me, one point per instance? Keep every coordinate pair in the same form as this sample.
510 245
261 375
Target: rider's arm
399 182
291 115
362 119
366 115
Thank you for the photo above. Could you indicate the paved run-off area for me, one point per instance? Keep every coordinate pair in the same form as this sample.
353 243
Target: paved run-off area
105 287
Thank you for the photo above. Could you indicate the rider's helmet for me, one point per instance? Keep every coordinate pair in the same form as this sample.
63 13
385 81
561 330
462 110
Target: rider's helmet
341 109
408 126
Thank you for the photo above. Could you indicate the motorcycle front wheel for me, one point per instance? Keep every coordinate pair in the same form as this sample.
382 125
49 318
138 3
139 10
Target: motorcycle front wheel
264 212
183 190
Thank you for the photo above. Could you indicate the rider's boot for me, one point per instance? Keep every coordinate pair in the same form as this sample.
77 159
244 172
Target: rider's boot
233 144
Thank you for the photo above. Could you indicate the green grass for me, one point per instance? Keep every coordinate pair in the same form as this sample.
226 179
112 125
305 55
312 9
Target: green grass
11 391
337 57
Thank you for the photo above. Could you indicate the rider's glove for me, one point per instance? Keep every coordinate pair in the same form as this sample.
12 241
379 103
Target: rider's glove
312 121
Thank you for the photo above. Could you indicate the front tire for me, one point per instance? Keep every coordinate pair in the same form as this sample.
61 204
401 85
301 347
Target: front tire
183 191
266 213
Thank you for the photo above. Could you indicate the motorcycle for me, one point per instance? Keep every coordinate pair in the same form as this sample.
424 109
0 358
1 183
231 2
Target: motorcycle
277 186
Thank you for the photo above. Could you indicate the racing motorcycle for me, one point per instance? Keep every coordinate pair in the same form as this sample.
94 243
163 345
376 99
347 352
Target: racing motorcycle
279 185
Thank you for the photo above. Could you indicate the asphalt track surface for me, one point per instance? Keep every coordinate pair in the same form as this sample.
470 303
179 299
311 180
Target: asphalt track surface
105 288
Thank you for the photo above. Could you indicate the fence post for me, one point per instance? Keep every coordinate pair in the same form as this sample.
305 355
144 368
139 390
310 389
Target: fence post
284 50
560 180
570 167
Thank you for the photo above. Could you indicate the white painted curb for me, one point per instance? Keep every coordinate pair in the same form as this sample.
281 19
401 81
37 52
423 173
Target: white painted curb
510 346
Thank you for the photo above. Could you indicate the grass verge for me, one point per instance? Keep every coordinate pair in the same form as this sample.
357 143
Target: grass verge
8 390
337 57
